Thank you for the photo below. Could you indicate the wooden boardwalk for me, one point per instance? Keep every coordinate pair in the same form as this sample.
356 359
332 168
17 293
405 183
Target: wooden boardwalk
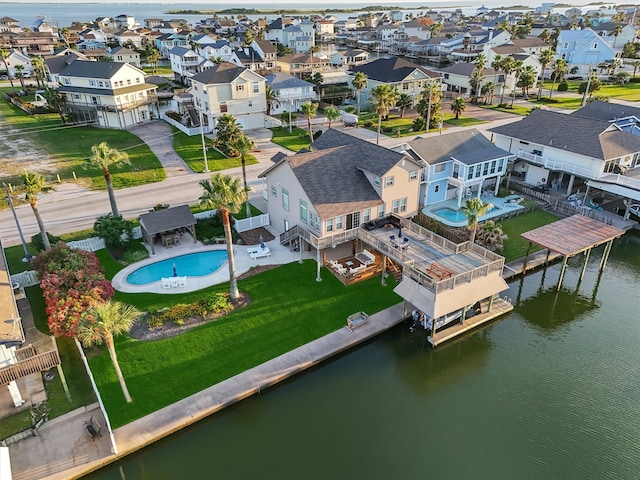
498 308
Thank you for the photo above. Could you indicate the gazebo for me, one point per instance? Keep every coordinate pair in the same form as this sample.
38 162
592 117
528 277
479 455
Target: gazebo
167 224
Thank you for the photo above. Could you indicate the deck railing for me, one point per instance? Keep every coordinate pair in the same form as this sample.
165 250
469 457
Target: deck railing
34 364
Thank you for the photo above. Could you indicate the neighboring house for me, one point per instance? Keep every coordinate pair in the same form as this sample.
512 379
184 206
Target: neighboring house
456 164
250 58
108 94
35 43
606 31
457 76
128 38
185 63
405 76
343 183
555 147
126 22
275 29
624 116
16 58
8 24
292 92
44 25
166 41
299 64
58 63
349 58
267 51
228 88
122 54
583 49
220 49
298 39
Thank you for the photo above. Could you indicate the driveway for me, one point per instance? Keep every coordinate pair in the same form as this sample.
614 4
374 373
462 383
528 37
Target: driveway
159 136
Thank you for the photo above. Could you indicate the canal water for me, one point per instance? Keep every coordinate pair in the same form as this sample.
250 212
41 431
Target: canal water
550 391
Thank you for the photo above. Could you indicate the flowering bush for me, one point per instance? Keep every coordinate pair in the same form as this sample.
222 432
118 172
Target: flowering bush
71 280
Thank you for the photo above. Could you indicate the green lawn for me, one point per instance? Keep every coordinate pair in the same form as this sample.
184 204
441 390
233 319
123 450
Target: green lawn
288 309
462 121
294 141
159 71
516 109
190 150
65 149
516 246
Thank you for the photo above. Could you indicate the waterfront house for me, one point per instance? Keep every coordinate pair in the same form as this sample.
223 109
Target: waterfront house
228 88
17 59
57 63
128 38
349 58
9 25
122 54
457 79
107 94
583 49
218 50
559 150
126 22
291 91
457 165
35 43
607 32
302 64
185 63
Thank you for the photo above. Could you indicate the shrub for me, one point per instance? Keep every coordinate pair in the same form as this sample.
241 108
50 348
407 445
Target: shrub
419 124
217 303
368 124
115 231
36 241
174 115
563 86
133 256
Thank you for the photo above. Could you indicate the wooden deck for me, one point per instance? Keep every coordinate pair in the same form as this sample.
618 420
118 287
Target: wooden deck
349 279
498 308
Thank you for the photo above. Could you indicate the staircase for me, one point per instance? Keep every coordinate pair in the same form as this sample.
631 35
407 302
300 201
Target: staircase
394 270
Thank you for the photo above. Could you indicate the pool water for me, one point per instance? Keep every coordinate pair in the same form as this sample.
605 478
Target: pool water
458 215
191 265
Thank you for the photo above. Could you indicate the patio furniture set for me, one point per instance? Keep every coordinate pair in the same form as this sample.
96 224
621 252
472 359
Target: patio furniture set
174 282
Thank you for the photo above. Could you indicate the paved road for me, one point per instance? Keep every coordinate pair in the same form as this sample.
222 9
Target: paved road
71 207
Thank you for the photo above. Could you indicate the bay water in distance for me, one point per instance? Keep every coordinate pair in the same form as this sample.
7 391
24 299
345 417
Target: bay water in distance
550 391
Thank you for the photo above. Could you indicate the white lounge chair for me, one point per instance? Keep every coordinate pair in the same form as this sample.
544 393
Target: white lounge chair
174 282
182 281
252 250
166 283
261 252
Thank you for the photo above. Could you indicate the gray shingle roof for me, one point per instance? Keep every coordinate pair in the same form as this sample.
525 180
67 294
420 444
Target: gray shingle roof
573 133
469 147
167 219
281 80
224 72
389 70
607 111
85 68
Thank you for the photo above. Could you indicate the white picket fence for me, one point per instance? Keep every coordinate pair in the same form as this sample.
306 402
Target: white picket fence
251 223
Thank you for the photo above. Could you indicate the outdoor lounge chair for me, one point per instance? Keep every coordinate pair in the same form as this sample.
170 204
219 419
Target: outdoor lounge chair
261 252
166 283
174 282
182 281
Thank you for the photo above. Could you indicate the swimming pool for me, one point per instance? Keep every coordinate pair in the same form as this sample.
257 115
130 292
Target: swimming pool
458 215
190 265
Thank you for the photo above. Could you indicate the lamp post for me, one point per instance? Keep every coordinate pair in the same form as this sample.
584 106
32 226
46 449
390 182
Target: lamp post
586 92
204 146
27 255
290 108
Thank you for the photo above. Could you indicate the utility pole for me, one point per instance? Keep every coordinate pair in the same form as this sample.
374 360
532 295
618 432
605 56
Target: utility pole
204 146
586 92
429 107
27 255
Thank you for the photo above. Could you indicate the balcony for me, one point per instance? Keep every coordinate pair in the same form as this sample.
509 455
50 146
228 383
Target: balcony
29 363
557 165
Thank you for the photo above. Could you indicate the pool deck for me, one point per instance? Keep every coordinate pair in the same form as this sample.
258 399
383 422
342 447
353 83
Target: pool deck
243 263
502 204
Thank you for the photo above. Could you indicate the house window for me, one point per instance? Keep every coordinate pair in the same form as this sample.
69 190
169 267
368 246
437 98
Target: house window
436 188
303 211
251 103
223 108
329 225
256 87
121 83
314 221
388 181
405 86
395 205
356 219
413 175
239 88
493 166
381 211
439 168
92 83
339 223
403 204
138 80
376 181
367 215
595 46
76 97
485 168
128 81
274 190
501 165
101 83
456 170
285 199
565 45
470 174
94 100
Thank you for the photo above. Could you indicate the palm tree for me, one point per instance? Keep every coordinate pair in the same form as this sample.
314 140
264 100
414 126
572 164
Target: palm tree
225 194
478 73
39 70
458 106
34 184
616 31
317 79
508 65
103 156
517 73
496 64
404 102
383 97
331 113
65 34
271 96
101 324
359 83
152 57
6 54
19 75
560 69
243 144
310 110
227 130
546 57
55 100
635 64
474 209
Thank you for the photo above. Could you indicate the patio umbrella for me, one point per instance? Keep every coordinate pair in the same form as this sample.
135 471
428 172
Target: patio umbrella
262 245
400 231
175 271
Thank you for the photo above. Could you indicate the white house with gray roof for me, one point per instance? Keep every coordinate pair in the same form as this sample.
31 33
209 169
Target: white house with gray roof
343 183
291 91
457 165
107 94
556 149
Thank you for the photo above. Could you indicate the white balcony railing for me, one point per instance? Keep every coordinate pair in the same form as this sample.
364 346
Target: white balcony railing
559 165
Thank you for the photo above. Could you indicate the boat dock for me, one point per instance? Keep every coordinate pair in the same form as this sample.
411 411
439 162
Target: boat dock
499 307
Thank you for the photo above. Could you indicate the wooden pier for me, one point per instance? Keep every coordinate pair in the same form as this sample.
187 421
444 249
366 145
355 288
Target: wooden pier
498 307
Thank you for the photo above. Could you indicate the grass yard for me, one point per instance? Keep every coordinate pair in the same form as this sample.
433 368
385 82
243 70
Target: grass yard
288 309
294 141
62 150
516 246
516 109
190 150
160 70
462 121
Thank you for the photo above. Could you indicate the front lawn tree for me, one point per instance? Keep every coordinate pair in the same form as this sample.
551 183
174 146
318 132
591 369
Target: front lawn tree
474 208
383 98
310 110
104 157
243 145
404 102
227 131
359 83
104 321
4 53
225 194
56 101
458 106
112 230
332 114
35 184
